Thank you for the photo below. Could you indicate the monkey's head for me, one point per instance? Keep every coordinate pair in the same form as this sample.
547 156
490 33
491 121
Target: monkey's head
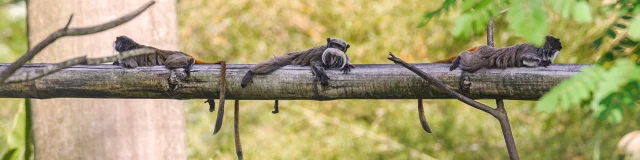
334 58
338 44
124 43
550 50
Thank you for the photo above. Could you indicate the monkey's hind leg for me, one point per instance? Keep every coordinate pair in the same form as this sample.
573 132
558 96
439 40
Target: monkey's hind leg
248 78
423 121
180 61
318 70
236 130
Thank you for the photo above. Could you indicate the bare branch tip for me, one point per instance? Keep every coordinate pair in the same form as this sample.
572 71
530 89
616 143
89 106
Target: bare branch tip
391 56
68 22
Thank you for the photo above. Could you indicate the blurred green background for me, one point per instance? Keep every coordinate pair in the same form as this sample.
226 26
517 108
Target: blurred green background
245 31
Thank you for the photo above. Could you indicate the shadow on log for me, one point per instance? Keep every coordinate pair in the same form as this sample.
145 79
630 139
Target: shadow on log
370 81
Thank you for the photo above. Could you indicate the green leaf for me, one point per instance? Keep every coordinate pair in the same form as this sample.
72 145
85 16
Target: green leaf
606 57
616 114
567 8
597 43
611 33
582 12
430 15
467 5
17 137
9 154
548 102
623 11
621 26
634 28
626 42
19 140
463 26
528 19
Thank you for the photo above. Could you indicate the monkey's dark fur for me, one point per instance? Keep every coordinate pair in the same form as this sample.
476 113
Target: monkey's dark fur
521 55
311 57
172 60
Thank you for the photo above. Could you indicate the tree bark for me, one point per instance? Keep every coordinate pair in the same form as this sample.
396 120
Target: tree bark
380 81
69 128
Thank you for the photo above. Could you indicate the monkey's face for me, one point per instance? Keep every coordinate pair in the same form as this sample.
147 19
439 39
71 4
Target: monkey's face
338 44
551 50
124 43
334 58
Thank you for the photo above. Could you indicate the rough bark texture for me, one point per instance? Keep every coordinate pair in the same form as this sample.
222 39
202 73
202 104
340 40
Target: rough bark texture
104 128
380 81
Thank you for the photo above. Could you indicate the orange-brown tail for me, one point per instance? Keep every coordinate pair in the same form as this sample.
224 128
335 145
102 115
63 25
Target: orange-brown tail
448 60
451 59
203 62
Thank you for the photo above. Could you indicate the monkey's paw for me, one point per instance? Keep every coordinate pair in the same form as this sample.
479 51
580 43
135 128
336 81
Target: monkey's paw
346 69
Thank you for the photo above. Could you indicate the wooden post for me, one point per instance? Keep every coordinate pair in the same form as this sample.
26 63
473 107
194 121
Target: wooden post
71 128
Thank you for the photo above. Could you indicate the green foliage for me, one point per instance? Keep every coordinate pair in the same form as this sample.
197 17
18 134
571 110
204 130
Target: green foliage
634 32
12 31
527 18
446 5
611 86
606 91
19 138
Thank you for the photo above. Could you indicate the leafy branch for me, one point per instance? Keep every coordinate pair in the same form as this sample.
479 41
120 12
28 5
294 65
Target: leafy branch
613 84
526 18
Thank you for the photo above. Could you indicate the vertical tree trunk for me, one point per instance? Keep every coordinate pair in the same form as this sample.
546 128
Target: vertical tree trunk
69 128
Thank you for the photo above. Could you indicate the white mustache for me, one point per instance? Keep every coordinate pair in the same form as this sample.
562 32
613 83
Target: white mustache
332 54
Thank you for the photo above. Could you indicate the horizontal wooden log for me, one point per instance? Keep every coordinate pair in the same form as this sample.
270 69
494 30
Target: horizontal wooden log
367 81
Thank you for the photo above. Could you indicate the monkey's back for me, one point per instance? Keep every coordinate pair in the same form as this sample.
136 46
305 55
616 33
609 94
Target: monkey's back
160 57
505 57
301 58
490 57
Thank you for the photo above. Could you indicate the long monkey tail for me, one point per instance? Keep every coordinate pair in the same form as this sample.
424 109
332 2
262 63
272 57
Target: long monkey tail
236 129
455 60
222 83
197 61
269 66
275 63
448 60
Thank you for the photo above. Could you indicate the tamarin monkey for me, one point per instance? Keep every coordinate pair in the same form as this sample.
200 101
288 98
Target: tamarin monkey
329 56
172 60
520 55
333 55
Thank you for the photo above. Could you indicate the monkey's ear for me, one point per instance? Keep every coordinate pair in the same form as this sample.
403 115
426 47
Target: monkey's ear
328 40
348 45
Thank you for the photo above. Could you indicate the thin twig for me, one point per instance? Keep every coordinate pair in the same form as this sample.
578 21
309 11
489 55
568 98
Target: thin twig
4 75
68 22
50 69
504 118
442 86
506 130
